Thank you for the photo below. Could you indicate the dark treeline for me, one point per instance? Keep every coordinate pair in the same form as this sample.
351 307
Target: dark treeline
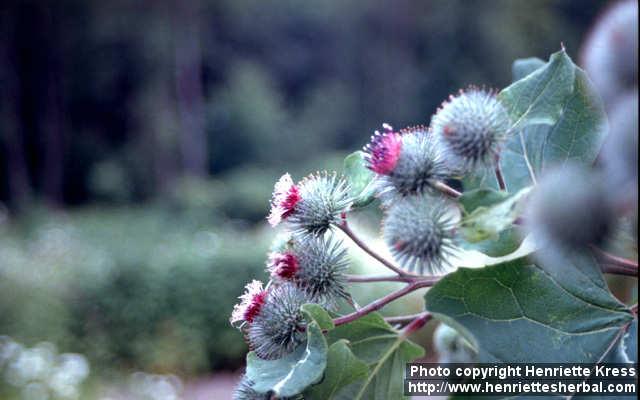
118 99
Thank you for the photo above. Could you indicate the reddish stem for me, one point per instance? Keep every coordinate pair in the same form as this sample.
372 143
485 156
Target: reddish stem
618 270
389 278
608 258
383 301
415 325
402 319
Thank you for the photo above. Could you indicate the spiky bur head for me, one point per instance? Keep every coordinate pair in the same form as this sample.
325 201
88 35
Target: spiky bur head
419 230
407 162
569 208
315 265
279 326
251 303
323 198
471 127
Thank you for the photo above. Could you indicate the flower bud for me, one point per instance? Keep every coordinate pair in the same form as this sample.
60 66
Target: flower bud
286 196
279 326
419 230
471 128
315 265
313 205
407 162
250 303
569 208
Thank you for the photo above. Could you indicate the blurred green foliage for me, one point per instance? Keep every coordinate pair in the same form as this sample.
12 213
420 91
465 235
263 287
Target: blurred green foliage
129 287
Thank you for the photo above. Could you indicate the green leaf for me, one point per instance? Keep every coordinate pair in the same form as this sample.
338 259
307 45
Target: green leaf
514 312
538 98
487 213
508 241
385 382
370 336
579 274
360 178
375 342
315 312
630 342
343 368
574 130
294 372
525 66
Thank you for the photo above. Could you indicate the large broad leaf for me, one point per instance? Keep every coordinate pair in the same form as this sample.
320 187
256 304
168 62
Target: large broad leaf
553 123
360 178
379 345
539 97
343 368
487 213
578 273
294 372
514 312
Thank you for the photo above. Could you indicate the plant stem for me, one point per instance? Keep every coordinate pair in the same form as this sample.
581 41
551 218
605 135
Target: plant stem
345 228
610 259
383 301
389 278
415 325
446 189
618 270
499 176
402 319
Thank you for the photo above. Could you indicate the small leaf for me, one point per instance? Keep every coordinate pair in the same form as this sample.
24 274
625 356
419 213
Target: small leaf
294 372
515 312
343 368
508 241
538 98
315 312
385 382
369 336
375 342
489 212
360 178
525 66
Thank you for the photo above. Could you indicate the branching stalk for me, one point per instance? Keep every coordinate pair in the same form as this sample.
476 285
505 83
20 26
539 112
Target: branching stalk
402 319
383 301
389 278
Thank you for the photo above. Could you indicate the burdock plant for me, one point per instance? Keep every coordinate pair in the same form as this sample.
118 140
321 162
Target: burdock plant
473 238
